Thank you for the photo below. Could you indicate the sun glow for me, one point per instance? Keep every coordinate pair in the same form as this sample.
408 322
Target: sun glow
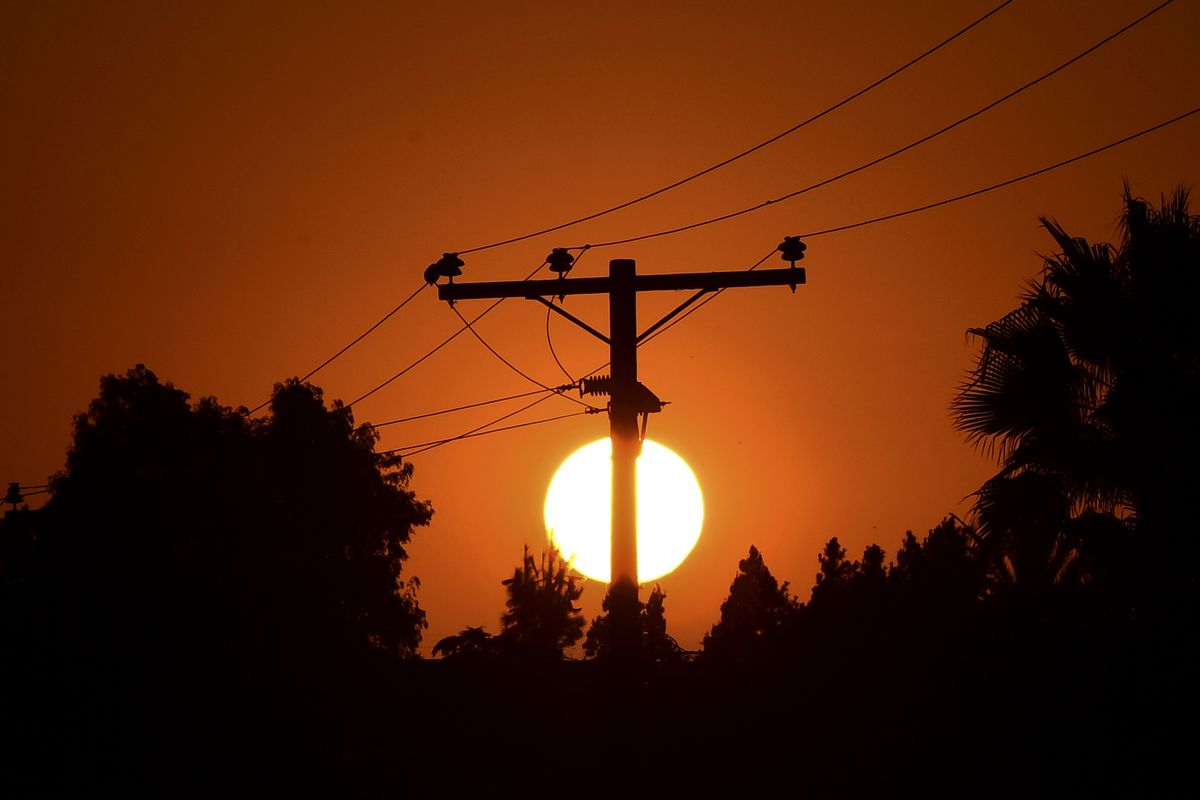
670 510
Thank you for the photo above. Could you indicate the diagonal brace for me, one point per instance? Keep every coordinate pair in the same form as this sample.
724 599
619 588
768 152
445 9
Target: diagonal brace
550 305
673 314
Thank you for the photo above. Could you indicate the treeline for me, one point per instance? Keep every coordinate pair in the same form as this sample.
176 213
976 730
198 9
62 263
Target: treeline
211 602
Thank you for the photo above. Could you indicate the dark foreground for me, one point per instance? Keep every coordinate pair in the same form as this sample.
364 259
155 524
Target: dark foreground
1089 715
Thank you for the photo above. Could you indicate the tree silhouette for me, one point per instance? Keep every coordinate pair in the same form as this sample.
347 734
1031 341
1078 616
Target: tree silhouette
657 646
754 615
472 643
541 618
207 575
835 576
1093 382
942 574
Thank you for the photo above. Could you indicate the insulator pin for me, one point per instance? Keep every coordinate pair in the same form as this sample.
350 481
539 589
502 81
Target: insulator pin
791 249
449 266
560 261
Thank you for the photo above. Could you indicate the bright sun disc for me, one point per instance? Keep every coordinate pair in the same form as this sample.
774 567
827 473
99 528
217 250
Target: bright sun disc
670 510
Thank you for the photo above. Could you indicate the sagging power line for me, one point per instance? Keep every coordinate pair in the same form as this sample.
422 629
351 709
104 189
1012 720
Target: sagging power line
443 343
863 223
466 407
410 450
888 156
353 342
508 363
738 156
944 202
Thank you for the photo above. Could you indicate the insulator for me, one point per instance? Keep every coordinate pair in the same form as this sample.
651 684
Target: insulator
449 265
14 494
560 261
791 249
601 385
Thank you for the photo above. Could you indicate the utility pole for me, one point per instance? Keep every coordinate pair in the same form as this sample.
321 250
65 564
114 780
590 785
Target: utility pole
630 399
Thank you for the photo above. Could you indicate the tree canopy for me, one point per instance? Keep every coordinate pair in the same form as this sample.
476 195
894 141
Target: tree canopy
657 646
540 618
754 615
199 503
196 562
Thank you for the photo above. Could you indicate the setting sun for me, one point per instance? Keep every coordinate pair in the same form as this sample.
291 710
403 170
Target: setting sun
670 510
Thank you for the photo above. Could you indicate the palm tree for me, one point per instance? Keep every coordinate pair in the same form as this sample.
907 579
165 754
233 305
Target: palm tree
1092 384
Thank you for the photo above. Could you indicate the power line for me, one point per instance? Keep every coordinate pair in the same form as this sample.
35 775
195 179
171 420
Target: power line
550 344
356 340
1008 182
444 342
894 153
26 493
862 223
849 226
421 448
937 204
549 339
367 332
726 216
464 408
875 84
427 446
508 363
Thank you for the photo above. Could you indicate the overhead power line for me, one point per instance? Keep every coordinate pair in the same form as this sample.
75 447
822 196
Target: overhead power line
550 344
550 339
413 450
1009 182
873 85
25 492
355 341
446 341
876 161
509 364
939 203
365 333
862 223
462 408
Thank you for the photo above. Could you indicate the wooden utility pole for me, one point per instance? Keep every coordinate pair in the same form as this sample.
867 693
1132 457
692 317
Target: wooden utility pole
630 398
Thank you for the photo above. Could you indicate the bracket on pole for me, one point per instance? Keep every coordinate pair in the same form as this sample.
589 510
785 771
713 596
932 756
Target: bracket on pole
559 310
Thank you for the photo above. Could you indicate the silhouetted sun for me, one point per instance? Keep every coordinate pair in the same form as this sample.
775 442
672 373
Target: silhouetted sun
670 510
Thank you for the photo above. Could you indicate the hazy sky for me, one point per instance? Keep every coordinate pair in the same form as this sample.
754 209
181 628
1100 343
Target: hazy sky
229 192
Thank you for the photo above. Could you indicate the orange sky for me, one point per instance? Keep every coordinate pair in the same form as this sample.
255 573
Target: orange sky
229 192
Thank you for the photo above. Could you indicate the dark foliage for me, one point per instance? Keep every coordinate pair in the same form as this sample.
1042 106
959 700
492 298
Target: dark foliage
657 646
1089 392
201 577
753 617
472 643
541 618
